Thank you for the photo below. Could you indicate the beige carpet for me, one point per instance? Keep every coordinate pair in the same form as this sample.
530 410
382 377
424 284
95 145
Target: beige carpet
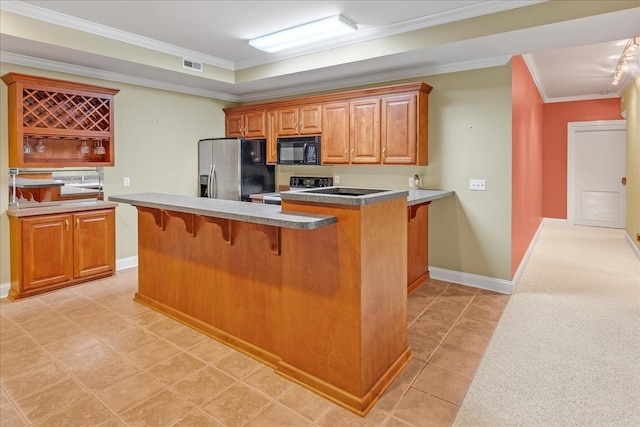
566 351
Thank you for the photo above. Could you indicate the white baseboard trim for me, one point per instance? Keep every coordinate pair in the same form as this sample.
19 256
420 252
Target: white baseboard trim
634 248
121 264
124 263
474 280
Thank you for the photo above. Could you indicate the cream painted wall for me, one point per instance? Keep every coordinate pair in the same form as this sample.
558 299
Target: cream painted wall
469 137
630 107
155 146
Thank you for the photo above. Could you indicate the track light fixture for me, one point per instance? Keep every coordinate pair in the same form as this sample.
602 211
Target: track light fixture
624 64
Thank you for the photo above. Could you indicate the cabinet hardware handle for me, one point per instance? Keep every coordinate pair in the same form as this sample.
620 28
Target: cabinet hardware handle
77 223
384 152
345 154
352 153
66 224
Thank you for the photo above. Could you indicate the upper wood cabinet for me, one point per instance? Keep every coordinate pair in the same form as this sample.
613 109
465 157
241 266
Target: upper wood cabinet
385 125
57 123
352 134
246 124
303 120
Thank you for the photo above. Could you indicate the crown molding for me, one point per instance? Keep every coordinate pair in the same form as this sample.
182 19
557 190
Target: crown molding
472 11
57 18
61 67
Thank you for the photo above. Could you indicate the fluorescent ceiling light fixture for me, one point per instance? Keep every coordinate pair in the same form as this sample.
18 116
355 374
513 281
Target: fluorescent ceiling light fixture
312 32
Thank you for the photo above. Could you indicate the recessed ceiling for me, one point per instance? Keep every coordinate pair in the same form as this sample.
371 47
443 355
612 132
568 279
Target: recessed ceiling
143 42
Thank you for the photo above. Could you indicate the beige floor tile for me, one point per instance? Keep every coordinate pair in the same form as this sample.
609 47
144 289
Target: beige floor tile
470 335
175 368
421 343
268 382
400 385
238 365
210 350
54 329
36 358
131 339
151 353
446 385
107 325
197 418
278 415
236 406
185 337
148 317
85 412
436 331
421 409
163 327
338 416
203 385
112 371
49 400
31 381
87 359
9 330
11 417
129 392
17 346
88 309
71 344
304 402
395 422
4 400
163 409
455 360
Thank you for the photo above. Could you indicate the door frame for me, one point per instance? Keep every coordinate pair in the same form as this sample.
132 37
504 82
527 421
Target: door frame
573 128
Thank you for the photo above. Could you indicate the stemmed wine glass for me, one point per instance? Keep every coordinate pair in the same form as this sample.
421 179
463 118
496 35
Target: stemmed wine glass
99 149
83 148
27 147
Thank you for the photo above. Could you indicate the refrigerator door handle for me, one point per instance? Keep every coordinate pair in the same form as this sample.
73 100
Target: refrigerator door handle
214 183
209 183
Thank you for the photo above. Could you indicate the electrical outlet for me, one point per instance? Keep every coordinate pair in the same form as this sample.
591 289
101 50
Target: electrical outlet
477 184
127 181
336 179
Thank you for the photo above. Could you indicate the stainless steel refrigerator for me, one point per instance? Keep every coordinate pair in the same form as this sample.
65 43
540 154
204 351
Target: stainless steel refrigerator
234 168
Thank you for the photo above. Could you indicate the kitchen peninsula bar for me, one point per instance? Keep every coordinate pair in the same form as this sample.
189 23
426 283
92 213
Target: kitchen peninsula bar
315 288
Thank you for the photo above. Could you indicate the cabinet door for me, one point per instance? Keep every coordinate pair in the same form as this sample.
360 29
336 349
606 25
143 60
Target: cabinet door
47 251
399 129
234 125
417 245
272 137
255 124
335 139
94 242
288 121
365 131
310 117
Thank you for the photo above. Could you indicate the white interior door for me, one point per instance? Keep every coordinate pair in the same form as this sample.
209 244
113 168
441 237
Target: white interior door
596 166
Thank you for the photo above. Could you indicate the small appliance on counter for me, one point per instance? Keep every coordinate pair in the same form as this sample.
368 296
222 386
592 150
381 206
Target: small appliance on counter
234 168
299 150
299 183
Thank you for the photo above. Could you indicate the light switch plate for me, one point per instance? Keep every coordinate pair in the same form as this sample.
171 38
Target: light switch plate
127 181
477 184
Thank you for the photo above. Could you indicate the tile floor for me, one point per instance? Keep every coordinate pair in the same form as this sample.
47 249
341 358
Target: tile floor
90 356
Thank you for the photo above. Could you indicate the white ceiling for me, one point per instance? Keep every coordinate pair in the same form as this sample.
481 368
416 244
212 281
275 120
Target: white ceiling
569 60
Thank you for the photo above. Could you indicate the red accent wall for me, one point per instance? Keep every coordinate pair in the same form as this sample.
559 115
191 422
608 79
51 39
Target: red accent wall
527 123
557 116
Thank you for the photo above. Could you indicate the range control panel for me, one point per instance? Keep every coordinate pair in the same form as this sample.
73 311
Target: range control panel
310 181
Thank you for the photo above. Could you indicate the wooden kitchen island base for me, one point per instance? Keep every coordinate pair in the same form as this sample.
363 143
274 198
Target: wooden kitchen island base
325 307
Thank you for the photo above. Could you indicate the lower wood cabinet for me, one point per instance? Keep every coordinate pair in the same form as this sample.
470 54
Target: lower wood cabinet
57 250
417 245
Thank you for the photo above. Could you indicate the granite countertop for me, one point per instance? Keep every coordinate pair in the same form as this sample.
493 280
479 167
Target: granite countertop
342 195
36 183
45 208
363 195
257 213
417 196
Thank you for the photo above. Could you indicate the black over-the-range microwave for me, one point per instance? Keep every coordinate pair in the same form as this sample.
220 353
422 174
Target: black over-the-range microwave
299 150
